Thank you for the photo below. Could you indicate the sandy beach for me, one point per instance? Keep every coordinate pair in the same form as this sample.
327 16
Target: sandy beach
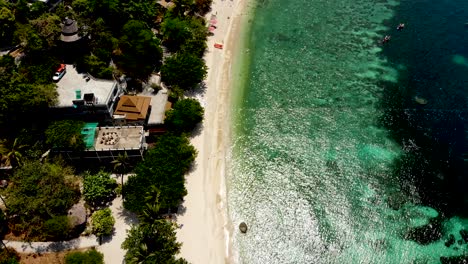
205 228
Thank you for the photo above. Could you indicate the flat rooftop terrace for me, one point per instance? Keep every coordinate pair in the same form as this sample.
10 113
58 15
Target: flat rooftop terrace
118 138
73 81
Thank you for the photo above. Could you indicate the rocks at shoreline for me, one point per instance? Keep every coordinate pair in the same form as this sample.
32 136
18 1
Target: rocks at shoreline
243 227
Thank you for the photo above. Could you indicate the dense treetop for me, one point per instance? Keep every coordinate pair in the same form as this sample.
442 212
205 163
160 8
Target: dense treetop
152 243
185 70
164 167
184 116
65 134
139 50
39 192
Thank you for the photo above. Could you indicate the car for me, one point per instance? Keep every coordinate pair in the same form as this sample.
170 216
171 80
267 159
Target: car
59 73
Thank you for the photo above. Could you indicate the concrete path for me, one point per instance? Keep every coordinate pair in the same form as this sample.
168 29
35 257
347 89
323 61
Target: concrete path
111 248
43 247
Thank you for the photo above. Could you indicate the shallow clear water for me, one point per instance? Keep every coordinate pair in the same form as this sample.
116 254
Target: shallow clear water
321 171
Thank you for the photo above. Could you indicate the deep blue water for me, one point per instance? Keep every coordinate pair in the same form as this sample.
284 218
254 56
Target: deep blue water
430 54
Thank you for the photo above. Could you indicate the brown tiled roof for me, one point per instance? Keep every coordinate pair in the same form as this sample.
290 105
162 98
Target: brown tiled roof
133 107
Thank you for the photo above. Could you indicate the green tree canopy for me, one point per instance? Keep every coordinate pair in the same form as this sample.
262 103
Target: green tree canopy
48 28
20 98
175 32
39 191
184 116
65 134
107 9
164 167
184 70
102 222
143 10
139 50
7 23
203 6
187 34
98 188
90 256
152 243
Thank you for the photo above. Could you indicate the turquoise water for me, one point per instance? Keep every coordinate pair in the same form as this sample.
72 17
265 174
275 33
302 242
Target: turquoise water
316 171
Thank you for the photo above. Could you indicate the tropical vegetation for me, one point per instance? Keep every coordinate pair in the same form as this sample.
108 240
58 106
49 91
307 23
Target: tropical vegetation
40 192
184 116
102 223
65 134
98 188
91 256
154 239
164 167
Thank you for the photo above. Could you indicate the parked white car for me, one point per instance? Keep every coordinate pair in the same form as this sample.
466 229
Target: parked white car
59 73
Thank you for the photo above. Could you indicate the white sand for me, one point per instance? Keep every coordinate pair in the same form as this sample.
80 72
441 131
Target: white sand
206 230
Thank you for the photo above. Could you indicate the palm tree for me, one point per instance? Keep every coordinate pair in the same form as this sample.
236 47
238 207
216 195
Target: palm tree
12 153
150 213
121 165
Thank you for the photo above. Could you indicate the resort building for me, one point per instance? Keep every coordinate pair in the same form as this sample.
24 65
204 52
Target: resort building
107 143
132 109
85 98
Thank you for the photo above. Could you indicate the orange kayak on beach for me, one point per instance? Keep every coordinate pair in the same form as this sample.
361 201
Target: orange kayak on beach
218 46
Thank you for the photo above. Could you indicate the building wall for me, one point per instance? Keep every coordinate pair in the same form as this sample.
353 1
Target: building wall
99 112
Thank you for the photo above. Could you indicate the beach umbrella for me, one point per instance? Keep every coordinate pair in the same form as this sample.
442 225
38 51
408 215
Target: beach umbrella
213 21
211 29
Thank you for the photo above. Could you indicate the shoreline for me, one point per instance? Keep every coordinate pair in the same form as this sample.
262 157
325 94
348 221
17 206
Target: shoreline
206 230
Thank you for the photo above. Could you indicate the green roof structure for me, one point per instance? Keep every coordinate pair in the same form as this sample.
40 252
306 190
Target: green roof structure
89 134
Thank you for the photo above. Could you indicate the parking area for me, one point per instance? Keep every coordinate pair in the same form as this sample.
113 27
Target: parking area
73 85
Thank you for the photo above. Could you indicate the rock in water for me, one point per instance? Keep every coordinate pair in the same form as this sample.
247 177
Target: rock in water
420 100
450 241
243 227
464 235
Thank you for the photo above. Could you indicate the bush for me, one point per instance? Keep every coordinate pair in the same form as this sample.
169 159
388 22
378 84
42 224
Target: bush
91 256
175 93
184 116
9 256
102 222
98 188
57 228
